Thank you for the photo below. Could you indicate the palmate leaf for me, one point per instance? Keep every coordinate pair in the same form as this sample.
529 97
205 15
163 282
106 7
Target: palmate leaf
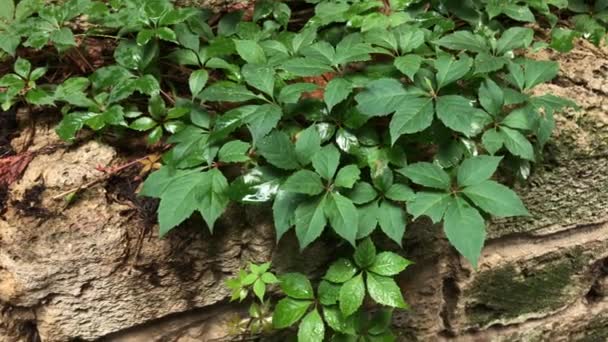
496 199
310 220
342 215
382 97
413 116
312 328
465 229
458 114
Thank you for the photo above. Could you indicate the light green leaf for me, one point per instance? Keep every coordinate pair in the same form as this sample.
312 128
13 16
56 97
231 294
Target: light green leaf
63 37
368 219
326 161
464 40
342 216
312 328
263 119
288 311
259 289
308 143
492 140
491 97
347 176
385 291
517 143
328 293
7 10
382 97
283 208
392 220
413 116
537 72
514 38
310 221
457 113
23 67
389 264
496 199
519 12
278 150
408 64
524 118
143 124
427 174
250 51
362 193
291 93
352 294
365 253
197 81
486 63
227 91
260 77
400 192
340 271
336 91
304 182
465 229
296 285
336 320
450 70
431 204
477 169
305 67
234 151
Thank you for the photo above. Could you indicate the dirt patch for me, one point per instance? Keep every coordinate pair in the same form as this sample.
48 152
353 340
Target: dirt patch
8 127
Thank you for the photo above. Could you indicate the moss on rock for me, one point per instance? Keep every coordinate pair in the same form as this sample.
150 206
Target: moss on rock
508 292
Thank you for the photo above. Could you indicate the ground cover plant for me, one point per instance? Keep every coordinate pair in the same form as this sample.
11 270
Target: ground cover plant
351 118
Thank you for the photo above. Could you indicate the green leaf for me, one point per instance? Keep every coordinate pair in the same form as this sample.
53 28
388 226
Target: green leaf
537 72
308 143
283 208
197 81
7 10
342 216
352 294
288 311
259 288
143 124
336 320
514 38
491 97
306 67
310 221
166 34
362 193
486 63
414 116
427 174
517 12
205 192
347 176
492 140
263 119
524 118
278 150
457 113
365 253
326 161
312 328
465 229
296 285
409 38
562 39
227 91
450 70
477 169
496 199
431 204
464 40
23 67
260 77
250 51
9 42
389 264
304 182
400 193
382 97
63 37
385 291
340 271
517 143
392 220
234 152
408 64
328 292
336 91
291 93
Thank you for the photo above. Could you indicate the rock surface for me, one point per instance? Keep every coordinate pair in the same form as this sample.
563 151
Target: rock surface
94 269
